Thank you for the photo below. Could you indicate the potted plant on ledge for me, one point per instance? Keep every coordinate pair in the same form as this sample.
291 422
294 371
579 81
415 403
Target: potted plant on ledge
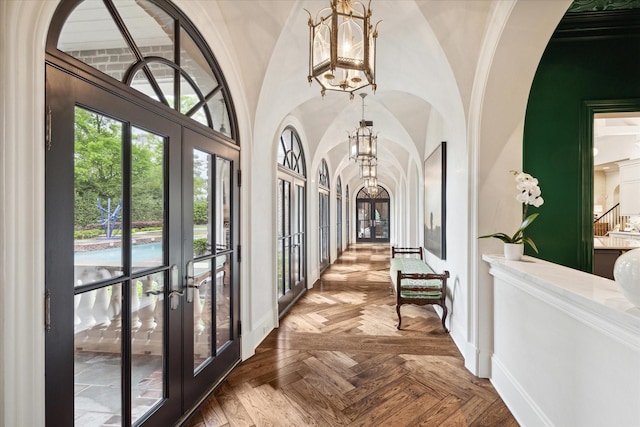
529 194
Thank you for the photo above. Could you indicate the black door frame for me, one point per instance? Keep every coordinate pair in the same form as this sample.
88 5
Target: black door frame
372 238
65 89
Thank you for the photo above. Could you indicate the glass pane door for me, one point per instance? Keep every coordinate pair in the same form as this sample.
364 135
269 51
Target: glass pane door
323 234
108 260
372 220
291 240
211 345
381 220
141 261
339 224
364 222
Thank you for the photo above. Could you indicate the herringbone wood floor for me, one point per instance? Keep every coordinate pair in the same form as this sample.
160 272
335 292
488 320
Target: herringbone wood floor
337 359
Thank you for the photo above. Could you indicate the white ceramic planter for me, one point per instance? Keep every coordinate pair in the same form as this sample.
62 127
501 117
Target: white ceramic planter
513 251
626 271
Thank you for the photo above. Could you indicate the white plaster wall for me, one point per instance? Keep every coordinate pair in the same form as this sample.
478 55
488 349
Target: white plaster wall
556 363
500 91
600 189
415 195
612 183
23 28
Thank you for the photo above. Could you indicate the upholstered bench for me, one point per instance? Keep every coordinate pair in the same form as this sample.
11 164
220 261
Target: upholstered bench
414 282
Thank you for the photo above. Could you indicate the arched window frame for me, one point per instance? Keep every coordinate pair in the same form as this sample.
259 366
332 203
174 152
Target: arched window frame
290 152
364 193
181 24
323 175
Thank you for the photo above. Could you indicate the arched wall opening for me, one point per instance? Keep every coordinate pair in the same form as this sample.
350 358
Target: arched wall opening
516 38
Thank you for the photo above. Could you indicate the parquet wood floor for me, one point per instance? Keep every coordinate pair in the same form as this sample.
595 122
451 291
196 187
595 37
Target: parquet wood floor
337 359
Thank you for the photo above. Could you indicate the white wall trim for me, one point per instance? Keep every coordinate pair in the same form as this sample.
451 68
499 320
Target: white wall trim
23 31
521 405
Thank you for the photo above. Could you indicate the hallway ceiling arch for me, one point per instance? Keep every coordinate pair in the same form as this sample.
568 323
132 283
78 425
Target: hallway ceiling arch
413 76
427 54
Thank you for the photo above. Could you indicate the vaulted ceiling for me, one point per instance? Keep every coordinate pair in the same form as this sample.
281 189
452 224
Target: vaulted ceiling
426 62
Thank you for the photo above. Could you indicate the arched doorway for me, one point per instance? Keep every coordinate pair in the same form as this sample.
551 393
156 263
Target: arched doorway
323 216
291 218
339 216
372 216
348 218
141 231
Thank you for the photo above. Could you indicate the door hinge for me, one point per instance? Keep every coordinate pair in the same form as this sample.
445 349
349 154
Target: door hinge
47 141
47 310
238 258
239 177
239 328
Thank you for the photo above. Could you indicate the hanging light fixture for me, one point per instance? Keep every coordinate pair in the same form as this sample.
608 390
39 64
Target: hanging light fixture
373 190
371 182
342 47
368 169
363 144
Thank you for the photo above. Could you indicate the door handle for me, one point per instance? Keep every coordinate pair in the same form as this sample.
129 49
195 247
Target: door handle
174 283
191 279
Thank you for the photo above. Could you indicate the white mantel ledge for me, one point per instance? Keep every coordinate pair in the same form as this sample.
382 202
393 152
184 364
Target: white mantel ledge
591 299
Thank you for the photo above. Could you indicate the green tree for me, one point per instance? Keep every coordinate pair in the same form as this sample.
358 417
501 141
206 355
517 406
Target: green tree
98 164
99 142
147 181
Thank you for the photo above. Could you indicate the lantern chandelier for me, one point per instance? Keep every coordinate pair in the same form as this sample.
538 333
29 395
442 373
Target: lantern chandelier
368 169
342 47
363 143
371 184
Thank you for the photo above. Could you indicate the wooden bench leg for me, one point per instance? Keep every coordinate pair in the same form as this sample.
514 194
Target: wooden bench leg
444 316
399 316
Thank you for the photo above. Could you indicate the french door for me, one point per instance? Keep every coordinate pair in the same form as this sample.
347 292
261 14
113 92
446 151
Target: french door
141 259
323 229
372 220
291 243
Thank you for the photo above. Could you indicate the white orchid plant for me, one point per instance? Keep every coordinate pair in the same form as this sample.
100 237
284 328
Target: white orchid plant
529 194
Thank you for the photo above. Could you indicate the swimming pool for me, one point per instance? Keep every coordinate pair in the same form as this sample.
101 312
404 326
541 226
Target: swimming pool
139 253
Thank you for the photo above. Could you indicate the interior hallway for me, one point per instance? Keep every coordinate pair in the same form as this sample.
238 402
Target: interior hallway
337 359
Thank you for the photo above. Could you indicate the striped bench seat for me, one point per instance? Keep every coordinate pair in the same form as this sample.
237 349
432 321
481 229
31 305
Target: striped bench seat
414 282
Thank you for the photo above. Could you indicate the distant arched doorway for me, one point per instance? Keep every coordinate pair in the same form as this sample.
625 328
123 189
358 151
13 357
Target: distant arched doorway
372 216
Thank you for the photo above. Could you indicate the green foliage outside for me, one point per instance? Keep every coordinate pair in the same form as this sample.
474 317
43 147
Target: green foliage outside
99 142
200 214
96 232
87 234
200 246
99 174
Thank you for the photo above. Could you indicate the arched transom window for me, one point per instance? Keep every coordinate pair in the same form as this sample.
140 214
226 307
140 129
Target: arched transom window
364 194
290 154
142 45
323 175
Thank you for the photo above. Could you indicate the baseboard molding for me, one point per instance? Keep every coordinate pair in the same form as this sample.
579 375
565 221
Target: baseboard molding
477 362
314 284
250 340
521 405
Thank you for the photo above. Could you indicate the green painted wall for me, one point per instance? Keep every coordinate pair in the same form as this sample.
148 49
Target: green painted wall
571 73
